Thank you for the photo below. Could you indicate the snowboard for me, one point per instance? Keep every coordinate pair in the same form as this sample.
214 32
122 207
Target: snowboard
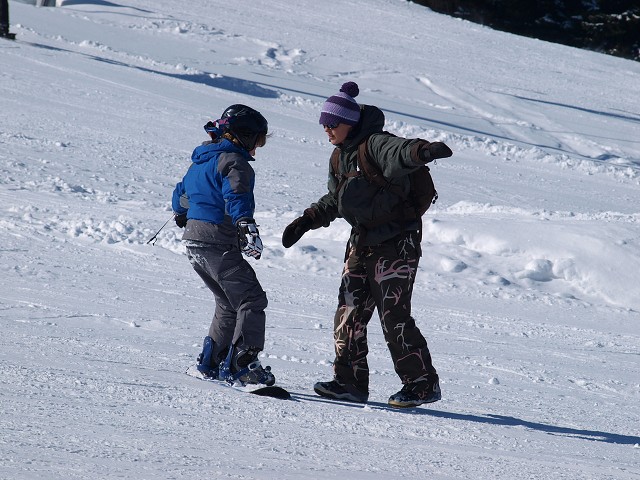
272 391
9 36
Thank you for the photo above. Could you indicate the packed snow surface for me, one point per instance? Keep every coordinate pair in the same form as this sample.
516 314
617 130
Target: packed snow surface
527 291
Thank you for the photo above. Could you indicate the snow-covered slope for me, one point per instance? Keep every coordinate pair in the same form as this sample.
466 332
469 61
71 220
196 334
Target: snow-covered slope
527 291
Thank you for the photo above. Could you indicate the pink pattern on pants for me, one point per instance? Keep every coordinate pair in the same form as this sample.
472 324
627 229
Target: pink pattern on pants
380 277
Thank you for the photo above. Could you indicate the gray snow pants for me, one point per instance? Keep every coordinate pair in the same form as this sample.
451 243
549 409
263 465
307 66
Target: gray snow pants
380 277
239 318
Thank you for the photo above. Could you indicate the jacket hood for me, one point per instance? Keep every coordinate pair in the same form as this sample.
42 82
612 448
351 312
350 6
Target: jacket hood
207 150
371 121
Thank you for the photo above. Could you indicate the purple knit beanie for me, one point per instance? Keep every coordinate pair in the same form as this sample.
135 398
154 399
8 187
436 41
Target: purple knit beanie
342 108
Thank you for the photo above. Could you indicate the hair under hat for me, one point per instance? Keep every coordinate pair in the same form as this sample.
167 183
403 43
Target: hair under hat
342 108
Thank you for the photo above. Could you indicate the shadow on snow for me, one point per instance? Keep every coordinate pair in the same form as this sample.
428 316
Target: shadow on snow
234 84
488 419
102 3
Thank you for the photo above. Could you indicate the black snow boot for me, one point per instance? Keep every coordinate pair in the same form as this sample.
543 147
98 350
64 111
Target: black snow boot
340 391
416 393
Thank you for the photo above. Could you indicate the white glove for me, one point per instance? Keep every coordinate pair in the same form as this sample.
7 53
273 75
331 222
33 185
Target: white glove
249 238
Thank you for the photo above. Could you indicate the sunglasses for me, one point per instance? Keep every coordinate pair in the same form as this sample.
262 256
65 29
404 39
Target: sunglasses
331 126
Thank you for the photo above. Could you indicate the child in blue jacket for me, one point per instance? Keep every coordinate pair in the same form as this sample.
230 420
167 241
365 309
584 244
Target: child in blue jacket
214 203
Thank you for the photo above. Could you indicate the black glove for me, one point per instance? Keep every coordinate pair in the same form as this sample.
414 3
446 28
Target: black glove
295 230
181 220
434 151
249 238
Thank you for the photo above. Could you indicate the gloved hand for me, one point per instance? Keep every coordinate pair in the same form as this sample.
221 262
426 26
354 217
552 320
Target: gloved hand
249 238
434 151
181 220
296 229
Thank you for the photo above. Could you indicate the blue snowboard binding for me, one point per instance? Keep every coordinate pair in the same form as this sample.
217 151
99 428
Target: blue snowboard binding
207 365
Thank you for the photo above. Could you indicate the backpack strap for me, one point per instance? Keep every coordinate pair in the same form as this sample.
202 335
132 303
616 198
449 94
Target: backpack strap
335 166
373 173
335 162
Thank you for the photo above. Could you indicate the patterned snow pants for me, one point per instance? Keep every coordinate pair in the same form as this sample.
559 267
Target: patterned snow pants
380 277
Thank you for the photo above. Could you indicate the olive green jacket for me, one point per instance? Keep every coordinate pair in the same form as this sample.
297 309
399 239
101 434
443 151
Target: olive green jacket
361 203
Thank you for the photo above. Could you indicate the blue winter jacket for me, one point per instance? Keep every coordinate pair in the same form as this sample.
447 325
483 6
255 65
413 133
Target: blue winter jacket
219 182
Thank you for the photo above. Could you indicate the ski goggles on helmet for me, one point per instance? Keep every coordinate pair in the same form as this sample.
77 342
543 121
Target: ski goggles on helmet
215 127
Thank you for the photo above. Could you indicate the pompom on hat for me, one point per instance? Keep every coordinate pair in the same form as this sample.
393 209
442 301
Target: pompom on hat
342 108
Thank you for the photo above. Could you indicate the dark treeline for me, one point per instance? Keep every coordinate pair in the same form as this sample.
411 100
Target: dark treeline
607 26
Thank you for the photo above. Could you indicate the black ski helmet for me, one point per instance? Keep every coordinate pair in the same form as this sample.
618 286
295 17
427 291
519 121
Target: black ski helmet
245 124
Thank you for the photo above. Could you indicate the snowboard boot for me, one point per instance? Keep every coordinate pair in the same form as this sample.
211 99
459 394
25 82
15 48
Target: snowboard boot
246 363
417 393
340 391
207 365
